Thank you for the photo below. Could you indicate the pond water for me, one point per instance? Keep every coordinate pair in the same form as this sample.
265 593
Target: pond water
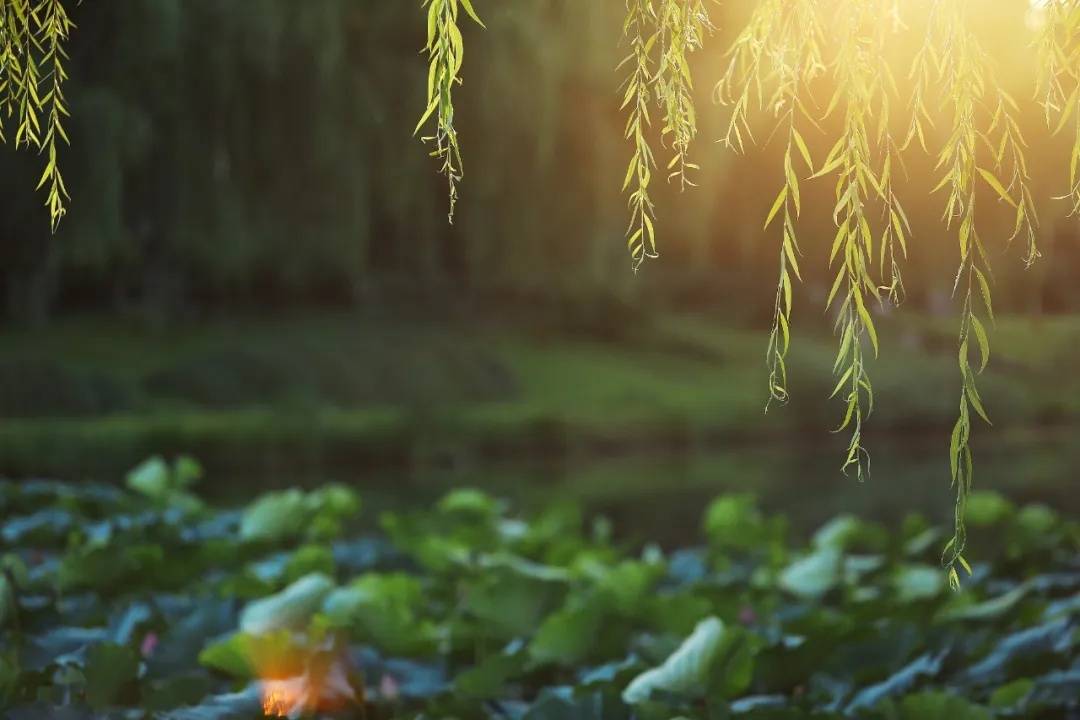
661 495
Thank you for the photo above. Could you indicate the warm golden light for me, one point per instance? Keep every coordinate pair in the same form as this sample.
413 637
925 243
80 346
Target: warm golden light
307 694
1036 15
280 697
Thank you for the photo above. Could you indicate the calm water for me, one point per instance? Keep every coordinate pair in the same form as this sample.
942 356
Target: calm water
661 496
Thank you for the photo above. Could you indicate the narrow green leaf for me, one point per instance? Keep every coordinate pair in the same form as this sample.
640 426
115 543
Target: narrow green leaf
777 204
993 182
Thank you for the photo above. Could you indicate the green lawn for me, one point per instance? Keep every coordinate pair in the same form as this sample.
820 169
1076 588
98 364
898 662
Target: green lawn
99 395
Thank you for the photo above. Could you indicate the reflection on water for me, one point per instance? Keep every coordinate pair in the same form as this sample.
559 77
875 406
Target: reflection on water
807 486
661 496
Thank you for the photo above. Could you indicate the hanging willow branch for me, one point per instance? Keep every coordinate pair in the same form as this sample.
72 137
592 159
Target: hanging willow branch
640 30
864 87
55 29
33 34
445 50
682 27
853 247
771 65
1058 85
896 228
678 29
954 64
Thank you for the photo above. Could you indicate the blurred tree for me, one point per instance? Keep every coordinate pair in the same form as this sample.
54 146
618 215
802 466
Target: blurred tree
222 157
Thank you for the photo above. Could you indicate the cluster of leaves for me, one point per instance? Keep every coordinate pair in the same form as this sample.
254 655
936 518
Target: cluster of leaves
641 234
1059 82
673 30
114 605
781 49
953 63
445 49
864 85
683 25
774 64
32 74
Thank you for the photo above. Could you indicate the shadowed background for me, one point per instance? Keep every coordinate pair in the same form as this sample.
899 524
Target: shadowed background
257 269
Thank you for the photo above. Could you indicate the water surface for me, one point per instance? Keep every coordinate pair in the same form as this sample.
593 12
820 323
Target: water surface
660 495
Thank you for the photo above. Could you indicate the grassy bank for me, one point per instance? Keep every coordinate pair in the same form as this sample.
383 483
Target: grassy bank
92 397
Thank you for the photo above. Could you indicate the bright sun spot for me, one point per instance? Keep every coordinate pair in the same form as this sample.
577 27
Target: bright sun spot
1036 14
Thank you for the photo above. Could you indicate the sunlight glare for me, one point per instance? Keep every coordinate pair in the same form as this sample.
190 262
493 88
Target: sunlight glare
1036 15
